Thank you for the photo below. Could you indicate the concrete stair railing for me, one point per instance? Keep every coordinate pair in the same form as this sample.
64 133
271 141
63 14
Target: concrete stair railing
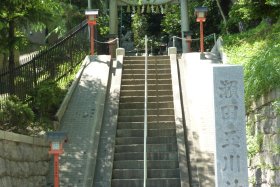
162 153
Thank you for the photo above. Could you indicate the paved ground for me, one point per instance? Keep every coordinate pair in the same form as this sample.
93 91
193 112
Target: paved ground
79 122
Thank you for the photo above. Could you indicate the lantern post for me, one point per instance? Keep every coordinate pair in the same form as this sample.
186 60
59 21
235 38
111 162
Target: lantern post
200 13
91 20
56 140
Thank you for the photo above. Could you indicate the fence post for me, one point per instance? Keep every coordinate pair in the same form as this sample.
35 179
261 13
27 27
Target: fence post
215 39
34 75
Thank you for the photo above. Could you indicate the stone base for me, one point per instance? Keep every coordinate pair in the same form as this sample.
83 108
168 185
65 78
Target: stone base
172 51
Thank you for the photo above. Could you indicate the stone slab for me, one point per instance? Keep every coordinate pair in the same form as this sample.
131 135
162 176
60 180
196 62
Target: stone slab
172 51
230 134
199 96
120 51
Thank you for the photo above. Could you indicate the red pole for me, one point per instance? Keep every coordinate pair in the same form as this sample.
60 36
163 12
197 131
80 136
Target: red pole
91 40
201 37
189 44
56 169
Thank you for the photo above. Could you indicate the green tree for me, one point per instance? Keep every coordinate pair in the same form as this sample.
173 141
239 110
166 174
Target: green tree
251 12
139 28
16 14
171 22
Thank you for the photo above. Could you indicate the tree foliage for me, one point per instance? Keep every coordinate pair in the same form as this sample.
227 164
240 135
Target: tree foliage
250 12
258 51
103 24
15 15
172 20
139 29
30 11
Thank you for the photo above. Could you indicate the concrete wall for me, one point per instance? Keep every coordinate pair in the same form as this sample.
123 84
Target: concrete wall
24 160
264 122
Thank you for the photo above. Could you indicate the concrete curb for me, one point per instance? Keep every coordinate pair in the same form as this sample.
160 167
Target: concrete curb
108 130
180 130
10 136
60 112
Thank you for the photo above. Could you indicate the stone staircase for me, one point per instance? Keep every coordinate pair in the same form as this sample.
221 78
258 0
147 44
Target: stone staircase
162 154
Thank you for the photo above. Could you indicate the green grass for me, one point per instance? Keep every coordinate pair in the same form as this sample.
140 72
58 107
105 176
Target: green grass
258 50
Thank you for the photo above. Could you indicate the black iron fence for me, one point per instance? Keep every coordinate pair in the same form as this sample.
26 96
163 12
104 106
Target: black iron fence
53 63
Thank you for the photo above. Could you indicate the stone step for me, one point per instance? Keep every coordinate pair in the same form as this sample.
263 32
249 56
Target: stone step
159 65
139 173
150 118
166 182
150 59
162 111
150 140
127 99
126 93
150 148
150 156
151 125
140 105
142 76
142 58
142 81
140 132
149 87
150 71
138 164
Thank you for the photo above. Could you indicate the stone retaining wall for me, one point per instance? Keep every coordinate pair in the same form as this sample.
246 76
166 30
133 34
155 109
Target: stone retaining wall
24 160
264 130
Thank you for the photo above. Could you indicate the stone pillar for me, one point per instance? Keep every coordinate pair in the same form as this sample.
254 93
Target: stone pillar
112 45
113 24
184 23
172 51
120 51
231 149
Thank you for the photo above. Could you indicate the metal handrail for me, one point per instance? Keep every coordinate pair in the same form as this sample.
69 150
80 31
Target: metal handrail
145 112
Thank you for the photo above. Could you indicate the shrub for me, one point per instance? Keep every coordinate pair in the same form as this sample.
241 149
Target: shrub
15 115
46 98
257 50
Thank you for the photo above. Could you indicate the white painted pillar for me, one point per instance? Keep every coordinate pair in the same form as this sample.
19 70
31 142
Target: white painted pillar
113 23
184 23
